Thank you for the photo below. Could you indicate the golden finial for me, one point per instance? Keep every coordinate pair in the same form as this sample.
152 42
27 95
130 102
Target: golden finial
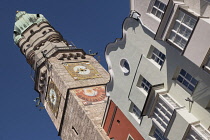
17 11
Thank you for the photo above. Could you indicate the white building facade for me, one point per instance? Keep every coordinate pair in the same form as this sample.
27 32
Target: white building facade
160 69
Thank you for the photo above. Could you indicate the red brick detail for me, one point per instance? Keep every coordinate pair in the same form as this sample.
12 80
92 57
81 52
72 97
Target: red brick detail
121 126
110 113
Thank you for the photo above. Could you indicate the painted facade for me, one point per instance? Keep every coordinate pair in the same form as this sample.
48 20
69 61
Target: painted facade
160 69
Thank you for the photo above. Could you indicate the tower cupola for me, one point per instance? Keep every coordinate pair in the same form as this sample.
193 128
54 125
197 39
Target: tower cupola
24 21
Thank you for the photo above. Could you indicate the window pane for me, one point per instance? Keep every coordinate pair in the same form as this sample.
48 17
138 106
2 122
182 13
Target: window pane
162 56
191 88
144 80
145 88
194 81
187 33
153 57
157 60
158 9
162 7
177 39
180 79
155 51
187 80
145 85
183 43
185 83
136 111
188 77
172 36
176 26
183 27
158 14
181 15
158 56
157 3
153 11
186 20
183 72
126 65
192 23
160 63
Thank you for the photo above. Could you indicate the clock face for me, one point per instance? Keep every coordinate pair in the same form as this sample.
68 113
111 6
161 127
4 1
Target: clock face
91 94
53 98
81 70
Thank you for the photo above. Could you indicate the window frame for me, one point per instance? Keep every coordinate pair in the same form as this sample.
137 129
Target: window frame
136 111
157 9
136 116
160 136
125 66
154 130
198 132
145 85
157 57
206 66
187 80
172 28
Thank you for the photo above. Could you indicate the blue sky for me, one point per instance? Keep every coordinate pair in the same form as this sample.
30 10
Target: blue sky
90 24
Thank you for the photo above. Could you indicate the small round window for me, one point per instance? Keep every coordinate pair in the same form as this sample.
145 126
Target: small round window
125 66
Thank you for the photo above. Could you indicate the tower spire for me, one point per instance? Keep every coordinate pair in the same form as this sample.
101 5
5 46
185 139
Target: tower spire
36 38
23 21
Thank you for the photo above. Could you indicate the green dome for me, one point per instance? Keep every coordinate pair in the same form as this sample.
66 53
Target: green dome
24 20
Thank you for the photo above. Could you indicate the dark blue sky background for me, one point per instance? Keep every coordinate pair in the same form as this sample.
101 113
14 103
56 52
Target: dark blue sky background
90 24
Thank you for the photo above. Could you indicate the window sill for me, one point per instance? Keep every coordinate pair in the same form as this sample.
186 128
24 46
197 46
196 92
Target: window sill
135 117
180 49
152 138
207 69
154 17
154 63
187 90
143 91
157 124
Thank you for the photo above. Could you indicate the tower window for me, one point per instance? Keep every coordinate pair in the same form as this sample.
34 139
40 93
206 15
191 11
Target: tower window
186 80
28 45
158 9
44 32
31 31
181 32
